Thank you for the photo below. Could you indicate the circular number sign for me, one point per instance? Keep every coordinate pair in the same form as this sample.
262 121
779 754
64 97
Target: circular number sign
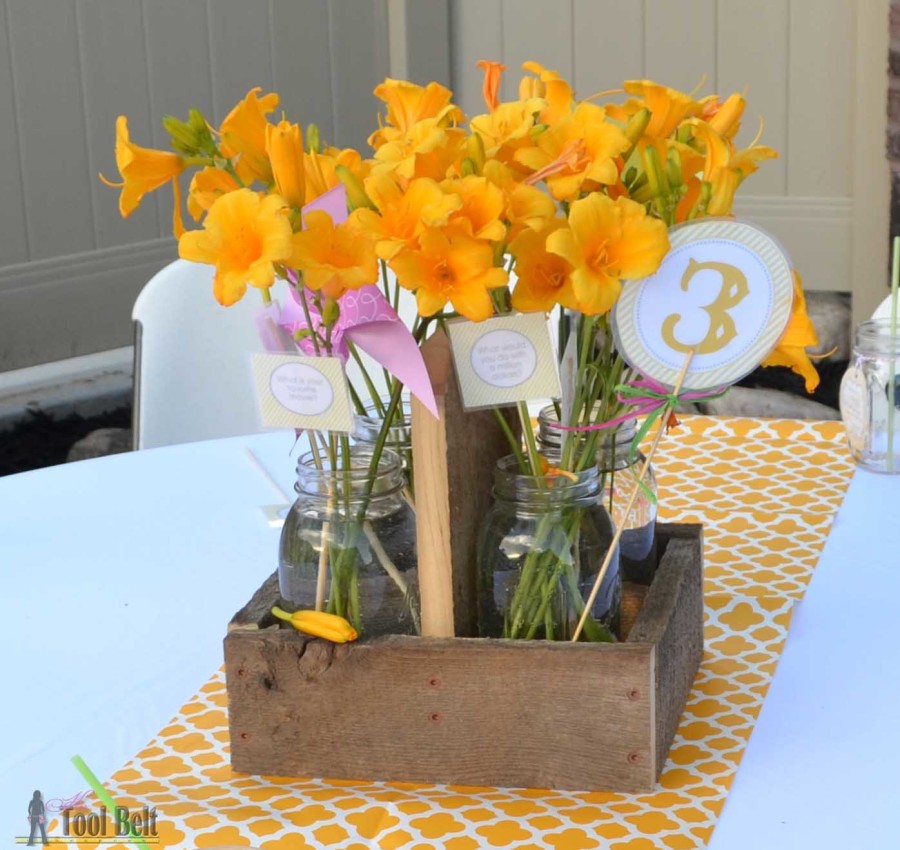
724 291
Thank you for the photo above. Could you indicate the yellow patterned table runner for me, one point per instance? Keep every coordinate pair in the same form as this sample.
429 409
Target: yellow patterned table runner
766 492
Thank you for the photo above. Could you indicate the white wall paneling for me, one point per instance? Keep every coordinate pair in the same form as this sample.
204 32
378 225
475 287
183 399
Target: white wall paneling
811 68
70 268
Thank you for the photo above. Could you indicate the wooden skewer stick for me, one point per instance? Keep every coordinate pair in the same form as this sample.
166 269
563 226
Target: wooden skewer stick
637 486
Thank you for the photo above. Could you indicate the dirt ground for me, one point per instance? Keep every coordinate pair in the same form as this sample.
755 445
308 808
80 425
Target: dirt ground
42 440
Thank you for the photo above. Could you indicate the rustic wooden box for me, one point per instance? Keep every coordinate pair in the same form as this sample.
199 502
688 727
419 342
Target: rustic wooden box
472 711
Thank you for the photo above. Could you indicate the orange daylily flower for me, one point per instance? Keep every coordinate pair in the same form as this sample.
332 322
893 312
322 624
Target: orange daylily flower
553 89
526 206
507 128
284 146
797 337
481 207
143 170
550 471
333 258
428 149
607 242
244 235
544 279
408 104
243 135
207 186
402 215
724 118
724 168
668 108
491 87
450 266
319 169
576 154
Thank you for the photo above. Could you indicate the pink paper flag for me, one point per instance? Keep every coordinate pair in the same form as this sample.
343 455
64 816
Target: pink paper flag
366 319
369 322
334 202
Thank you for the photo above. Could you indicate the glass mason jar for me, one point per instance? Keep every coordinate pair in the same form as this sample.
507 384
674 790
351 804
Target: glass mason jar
873 429
399 436
350 539
540 549
618 479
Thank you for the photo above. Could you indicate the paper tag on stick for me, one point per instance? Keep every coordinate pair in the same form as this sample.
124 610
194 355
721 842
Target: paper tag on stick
302 392
504 360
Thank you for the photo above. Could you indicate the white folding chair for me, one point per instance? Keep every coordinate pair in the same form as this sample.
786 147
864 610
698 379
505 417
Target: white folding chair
192 377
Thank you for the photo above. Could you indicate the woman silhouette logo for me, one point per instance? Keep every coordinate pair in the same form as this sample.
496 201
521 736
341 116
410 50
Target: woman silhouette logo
36 816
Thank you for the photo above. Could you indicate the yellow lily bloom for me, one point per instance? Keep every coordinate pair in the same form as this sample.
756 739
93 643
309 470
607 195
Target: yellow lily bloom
284 146
408 104
243 135
143 170
797 337
244 236
403 215
555 91
724 168
507 128
207 186
575 154
427 149
544 279
481 207
333 258
320 173
668 109
526 206
724 118
493 71
607 242
450 266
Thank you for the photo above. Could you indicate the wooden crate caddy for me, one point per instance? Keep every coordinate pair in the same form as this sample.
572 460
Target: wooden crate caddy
471 711
464 710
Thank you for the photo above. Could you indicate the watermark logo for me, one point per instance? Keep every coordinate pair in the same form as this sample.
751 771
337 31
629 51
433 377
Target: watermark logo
77 822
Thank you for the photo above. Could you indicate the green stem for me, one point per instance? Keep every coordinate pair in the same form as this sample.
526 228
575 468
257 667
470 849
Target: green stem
370 384
306 315
530 443
514 444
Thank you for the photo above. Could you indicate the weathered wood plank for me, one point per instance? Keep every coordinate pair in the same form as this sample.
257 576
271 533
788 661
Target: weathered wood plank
672 620
491 712
455 459
432 710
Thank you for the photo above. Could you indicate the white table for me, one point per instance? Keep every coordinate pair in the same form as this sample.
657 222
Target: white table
102 563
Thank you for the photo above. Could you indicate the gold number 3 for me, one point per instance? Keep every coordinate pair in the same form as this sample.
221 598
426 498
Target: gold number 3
721 331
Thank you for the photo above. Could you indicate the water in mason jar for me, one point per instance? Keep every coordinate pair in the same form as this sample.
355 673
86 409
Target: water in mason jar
865 402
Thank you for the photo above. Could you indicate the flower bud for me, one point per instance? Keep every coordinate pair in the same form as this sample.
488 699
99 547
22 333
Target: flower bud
313 140
475 151
284 146
319 624
356 194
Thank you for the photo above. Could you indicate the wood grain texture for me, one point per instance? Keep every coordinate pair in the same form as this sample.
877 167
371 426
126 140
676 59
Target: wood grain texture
442 710
474 711
455 459
671 620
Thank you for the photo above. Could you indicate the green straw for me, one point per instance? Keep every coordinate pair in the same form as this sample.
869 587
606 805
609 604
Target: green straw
895 278
104 796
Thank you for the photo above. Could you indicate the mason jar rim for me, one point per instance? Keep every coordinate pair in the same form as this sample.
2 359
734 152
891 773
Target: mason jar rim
877 333
359 471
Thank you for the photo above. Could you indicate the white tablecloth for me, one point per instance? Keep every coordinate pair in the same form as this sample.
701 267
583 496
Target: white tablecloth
104 563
